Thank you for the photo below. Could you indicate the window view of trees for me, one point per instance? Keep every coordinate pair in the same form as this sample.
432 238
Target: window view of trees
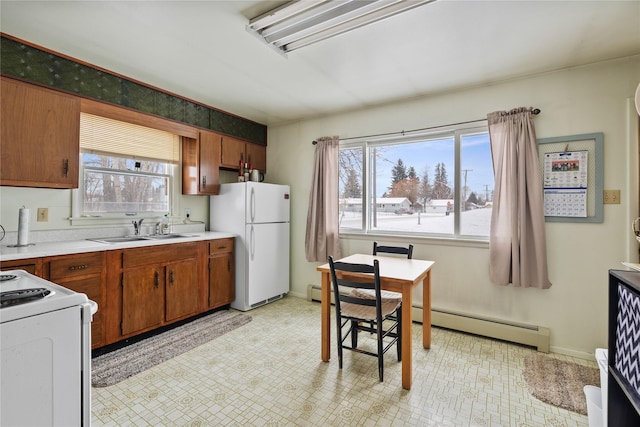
114 184
413 185
350 163
406 183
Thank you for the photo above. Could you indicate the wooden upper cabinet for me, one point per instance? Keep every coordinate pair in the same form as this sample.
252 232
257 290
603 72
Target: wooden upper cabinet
257 156
200 164
40 136
234 150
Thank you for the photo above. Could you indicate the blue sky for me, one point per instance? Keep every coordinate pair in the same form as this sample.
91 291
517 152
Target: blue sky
476 156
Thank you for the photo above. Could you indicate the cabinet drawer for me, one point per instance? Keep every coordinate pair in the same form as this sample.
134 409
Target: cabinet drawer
33 266
159 254
78 265
220 246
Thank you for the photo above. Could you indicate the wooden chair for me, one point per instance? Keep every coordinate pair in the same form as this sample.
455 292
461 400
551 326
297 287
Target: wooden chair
353 313
386 295
408 251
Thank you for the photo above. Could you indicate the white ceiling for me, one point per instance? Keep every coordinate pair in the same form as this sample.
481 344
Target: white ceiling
201 50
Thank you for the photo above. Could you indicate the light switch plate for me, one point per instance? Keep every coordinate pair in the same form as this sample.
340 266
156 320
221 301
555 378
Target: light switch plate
611 197
43 214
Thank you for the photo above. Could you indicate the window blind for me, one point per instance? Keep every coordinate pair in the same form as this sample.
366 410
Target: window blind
108 136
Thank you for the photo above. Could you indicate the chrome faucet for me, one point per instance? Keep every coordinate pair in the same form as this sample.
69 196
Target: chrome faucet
137 225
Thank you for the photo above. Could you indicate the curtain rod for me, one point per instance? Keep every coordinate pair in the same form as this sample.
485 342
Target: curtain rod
534 111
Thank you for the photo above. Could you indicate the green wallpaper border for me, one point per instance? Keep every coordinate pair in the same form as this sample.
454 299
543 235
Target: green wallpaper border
29 63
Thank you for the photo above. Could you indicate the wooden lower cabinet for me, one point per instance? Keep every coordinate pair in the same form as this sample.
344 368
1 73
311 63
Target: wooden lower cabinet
159 285
141 289
30 265
221 273
143 296
82 273
181 290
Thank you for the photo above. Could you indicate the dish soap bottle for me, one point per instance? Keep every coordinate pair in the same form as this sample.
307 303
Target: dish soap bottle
165 227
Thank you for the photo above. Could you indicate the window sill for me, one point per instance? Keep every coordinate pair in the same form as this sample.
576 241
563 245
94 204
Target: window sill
111 220
464 241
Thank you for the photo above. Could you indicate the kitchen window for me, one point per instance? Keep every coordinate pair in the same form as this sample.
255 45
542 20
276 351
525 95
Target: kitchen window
126 171
429 184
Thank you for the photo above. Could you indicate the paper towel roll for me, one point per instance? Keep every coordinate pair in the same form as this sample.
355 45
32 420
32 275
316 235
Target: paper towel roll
23 227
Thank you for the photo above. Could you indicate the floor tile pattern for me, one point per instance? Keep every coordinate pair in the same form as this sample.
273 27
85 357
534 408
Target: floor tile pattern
269 373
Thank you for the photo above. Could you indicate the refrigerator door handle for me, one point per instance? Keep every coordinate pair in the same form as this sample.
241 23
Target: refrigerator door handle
252 206
252 243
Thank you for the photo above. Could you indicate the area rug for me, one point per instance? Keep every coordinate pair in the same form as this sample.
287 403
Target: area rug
113 367
558 382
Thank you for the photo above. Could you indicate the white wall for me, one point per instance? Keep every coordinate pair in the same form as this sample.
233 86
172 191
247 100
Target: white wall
589 99
595 98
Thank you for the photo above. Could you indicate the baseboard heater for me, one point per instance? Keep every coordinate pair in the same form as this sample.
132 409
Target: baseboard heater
531 335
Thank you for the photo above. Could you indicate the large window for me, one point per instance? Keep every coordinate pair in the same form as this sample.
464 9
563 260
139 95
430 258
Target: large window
433 184
125 170
120 185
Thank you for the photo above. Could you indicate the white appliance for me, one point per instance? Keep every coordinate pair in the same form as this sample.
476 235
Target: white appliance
45 353
258 213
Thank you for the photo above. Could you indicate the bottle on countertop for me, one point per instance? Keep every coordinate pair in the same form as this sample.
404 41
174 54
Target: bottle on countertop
241 172
246 172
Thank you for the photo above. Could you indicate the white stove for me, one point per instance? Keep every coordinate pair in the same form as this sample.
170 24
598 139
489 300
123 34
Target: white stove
22 295
45 352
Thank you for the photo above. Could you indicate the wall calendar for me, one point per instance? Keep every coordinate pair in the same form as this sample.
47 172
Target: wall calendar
565 177
572 175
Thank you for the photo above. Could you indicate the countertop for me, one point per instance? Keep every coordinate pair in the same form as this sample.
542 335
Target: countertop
44 249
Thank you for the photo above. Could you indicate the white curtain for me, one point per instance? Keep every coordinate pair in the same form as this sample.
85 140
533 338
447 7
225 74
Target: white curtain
322 238
517 252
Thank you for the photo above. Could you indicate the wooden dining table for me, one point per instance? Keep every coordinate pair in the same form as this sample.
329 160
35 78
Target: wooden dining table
398 275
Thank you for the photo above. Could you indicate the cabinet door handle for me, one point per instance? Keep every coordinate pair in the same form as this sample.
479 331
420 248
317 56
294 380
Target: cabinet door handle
171 277
228 265
204 181
65 167
156 279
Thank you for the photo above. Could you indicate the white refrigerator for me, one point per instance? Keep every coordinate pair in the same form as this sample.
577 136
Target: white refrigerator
258 214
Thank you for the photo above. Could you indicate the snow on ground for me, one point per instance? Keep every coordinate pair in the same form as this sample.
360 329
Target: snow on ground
472 223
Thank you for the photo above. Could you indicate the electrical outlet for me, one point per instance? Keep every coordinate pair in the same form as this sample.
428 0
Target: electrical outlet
611 197
43 214
187 213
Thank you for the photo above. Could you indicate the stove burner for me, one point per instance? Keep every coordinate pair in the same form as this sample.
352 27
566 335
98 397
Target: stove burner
5 277
20 296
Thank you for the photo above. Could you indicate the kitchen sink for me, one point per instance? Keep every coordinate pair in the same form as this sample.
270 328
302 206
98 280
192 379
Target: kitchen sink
120 239
125 239
169 236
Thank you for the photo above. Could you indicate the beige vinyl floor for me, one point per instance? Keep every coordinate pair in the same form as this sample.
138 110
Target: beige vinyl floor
269 373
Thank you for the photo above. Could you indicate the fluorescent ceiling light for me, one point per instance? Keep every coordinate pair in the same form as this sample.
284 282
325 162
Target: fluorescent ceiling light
302 22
